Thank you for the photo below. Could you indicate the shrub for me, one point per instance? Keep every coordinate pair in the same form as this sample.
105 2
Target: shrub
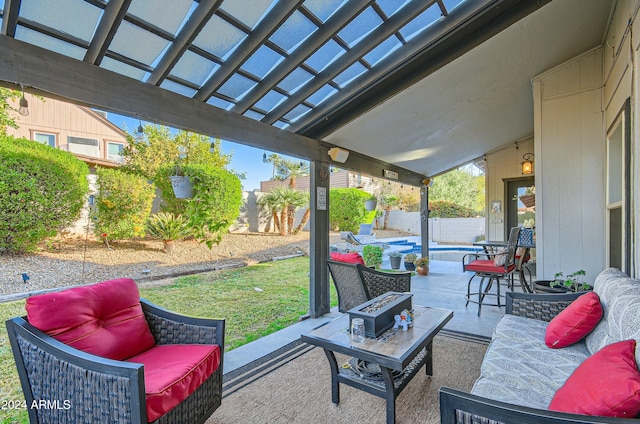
168 228
123 204
42 190
346 210
216 202
446 209
372 255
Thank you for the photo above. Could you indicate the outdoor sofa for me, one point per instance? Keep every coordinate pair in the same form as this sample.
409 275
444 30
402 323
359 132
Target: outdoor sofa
100 354
522 380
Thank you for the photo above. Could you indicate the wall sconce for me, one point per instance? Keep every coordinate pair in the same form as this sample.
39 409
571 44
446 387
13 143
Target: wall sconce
527 164
427 182
24 104
338 155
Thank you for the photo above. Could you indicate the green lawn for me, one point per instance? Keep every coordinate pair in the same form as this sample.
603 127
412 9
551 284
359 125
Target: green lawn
255 301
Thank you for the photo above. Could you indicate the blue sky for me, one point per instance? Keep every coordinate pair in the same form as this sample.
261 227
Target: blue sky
244 158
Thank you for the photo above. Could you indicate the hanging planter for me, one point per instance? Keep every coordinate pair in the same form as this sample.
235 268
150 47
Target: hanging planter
182 187
370 205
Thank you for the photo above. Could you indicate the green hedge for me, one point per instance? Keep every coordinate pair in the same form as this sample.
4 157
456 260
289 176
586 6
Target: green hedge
123 204
42 190
446 209
346 209
216 202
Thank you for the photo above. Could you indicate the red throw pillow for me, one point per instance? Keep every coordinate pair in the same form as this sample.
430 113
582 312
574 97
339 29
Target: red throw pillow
605 384
351 257
574 322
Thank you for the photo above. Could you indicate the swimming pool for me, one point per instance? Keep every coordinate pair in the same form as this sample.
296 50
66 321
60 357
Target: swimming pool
437 253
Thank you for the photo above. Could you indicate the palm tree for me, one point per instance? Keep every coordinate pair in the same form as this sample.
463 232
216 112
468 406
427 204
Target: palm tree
272 202
291 170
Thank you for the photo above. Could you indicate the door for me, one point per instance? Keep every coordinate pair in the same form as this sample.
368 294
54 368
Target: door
520 203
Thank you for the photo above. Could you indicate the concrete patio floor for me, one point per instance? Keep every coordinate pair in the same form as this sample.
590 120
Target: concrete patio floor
444 287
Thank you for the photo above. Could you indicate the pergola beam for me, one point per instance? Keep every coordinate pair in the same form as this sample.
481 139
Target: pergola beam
107 27
10 14
92 86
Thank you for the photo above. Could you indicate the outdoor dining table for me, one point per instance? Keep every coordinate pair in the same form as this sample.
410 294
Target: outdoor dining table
492 246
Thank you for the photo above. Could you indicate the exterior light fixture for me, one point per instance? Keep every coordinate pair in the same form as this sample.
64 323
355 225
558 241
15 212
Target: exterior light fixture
338 155
264 157
140 129
527 164
24 104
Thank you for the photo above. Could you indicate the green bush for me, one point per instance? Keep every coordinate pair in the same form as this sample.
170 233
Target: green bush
168 228
446 209
123 204
216 202
346 209
42 190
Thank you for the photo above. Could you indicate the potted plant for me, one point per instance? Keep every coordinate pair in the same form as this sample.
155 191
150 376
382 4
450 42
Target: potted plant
372 256
371 203
562 284
181 184
422 265
395 258
409 261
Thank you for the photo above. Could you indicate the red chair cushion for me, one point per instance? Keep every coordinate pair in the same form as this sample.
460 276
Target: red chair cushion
605 384
173 372
486 266
574 322
104 319
351 257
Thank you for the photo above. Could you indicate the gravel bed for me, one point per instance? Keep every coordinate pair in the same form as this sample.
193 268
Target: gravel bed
74 261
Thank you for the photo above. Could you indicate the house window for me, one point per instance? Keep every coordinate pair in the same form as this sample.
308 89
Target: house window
84 146
618 186
114 152
48 139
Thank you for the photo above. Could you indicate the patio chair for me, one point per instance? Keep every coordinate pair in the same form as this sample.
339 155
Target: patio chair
105 355
379 282
351 238
494 266
351 291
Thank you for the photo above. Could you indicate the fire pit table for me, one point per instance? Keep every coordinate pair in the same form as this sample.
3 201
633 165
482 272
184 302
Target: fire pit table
384 365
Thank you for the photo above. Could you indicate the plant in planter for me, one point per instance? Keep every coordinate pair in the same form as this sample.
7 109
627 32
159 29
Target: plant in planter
372 256
371 203
409 261
181 183
395 258
561 283
571 282
422 265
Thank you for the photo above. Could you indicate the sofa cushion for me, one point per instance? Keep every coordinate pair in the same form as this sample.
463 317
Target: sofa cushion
104 319
523 370
621 312
351 257
574 322
173 372
605 384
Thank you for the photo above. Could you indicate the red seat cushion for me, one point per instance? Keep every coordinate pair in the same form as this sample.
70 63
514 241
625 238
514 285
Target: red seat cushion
104 319
173 372
486 266
574 322
605 384
351 257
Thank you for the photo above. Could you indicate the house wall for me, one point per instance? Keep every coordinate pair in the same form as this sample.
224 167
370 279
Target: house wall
502 164
64 119
570 166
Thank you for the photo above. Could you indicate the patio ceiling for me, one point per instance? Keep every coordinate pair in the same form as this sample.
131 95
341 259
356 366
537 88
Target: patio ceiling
419 85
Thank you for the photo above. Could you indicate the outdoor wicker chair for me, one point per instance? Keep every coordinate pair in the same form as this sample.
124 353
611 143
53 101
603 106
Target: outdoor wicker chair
351 291
379 282
85 387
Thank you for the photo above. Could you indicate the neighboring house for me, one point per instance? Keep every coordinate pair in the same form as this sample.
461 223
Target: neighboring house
88 134
337 179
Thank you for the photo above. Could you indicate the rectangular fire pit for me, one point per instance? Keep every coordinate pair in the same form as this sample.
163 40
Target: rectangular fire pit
378 313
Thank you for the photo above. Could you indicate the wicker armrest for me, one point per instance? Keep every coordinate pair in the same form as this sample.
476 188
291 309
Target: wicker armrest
543 307
170 328
80 386
458 407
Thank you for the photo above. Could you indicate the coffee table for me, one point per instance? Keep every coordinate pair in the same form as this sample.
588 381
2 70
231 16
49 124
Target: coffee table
398 354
